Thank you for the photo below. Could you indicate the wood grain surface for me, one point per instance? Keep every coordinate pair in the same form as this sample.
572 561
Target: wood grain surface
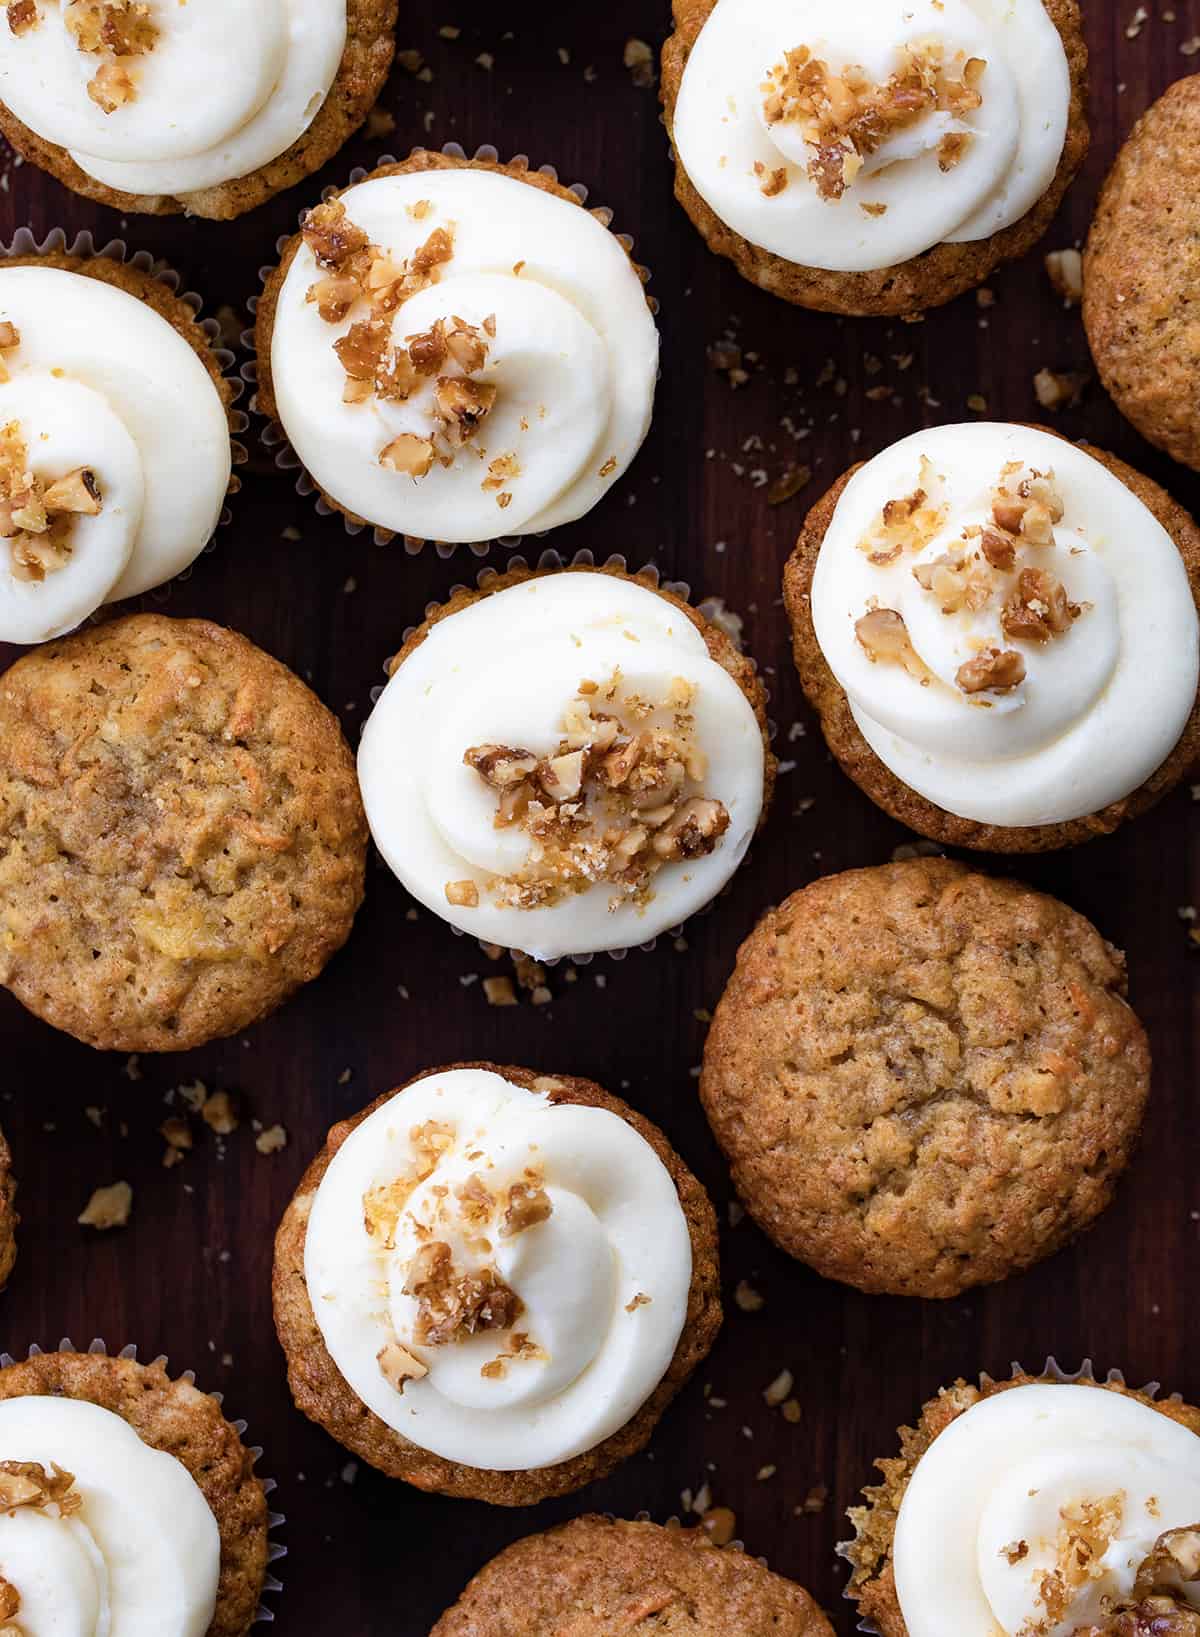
189 1276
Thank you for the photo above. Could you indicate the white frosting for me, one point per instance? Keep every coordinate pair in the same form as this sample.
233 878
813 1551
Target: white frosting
139 1558
728 147
502 671
573 359
100 380
604 1278
1012 1472
226 89
1101 706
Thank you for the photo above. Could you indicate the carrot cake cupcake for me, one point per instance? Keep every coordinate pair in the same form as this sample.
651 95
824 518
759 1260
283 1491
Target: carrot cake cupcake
153 106
491 1283
1140 299
566 762
128 1503
181 838
114 439
1035 1507
458 350
874 158
924 1079
999 631
598 1575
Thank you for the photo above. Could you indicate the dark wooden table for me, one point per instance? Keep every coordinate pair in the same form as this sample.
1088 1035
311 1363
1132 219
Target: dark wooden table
190 1274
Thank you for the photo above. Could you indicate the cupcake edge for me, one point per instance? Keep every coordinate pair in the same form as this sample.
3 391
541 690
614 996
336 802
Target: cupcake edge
1146 379
889 792
420 160
321 1392
661 1554
176 1417
366 62
908 288
869 1553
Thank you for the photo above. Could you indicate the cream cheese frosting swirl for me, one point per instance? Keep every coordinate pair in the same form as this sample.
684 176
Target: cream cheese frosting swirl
100 1535
501 1278
1033 1512
153 97
1013 628
855 137
458 354
561 767
114 450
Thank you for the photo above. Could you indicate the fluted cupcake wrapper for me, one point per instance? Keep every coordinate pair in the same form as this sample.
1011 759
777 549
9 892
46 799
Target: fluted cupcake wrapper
275 439
276 1550
711 608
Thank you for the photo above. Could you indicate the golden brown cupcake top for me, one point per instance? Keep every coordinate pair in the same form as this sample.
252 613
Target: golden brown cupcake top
181 837
924 1078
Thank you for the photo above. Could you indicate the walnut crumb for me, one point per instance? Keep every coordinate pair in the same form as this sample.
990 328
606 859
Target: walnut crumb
463 894
109 1207
271 1139
747 1298
220 1113
399 1366
992 671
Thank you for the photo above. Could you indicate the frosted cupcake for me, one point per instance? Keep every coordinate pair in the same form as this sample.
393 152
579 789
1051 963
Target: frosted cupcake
1036 1507
458 350
127 1503
115 456
158 107
999 631
491 1283
874 158
566 762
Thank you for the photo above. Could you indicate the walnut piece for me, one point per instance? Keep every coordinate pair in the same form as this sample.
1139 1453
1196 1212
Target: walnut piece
451 1304
36 519
23 15
992 671
846 117
398 1365
527 1204
108 1207
883 637
1175 1560
27 1483
1038 608
408 454
610 803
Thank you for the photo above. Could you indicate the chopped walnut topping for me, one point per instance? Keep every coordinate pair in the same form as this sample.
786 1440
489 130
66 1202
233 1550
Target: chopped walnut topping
461 407
884 638
334 240
519 1347
845 118
463 894
610 803
27 1483
1087 1529
452 1304
957 582
1027 504
1038 608
1000 550
907 523
408 454
36 518
528 1203
23 15
992 671
399 1366
116 30
1175 1560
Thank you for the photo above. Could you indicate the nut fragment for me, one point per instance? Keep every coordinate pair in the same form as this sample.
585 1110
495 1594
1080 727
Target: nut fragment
77 492
694 831
992 671
399 1365
1065 270
409 454
109 1207
23 15
463 894
1038 608
883 637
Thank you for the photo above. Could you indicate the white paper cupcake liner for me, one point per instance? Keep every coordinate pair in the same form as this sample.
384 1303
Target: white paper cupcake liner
551 559
1053 1371
273 436
84 247
275 1520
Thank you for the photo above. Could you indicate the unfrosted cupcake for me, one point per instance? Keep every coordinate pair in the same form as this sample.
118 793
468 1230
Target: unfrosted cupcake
159 107
115 456
597 1576
999 631
1035 1507
566 762
127 1503
457 349
879 157
491 1283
